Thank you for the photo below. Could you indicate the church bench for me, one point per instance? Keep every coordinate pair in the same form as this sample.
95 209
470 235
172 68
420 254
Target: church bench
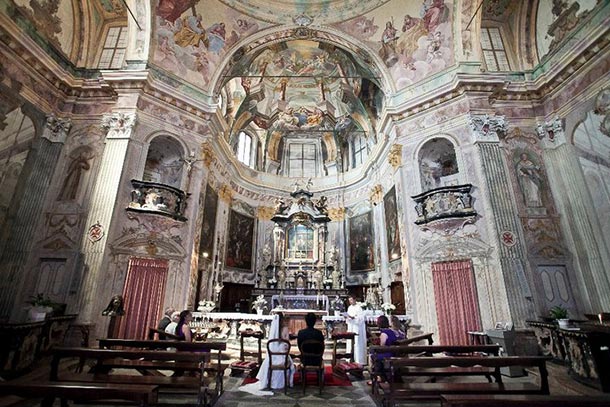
393 390
423 337
159 334
422 350
502 400
149 362
143 395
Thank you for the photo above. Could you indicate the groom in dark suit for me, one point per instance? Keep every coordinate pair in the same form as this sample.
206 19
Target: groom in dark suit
310 333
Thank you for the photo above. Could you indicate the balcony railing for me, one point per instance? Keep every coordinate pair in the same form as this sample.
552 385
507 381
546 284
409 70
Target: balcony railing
161 199
444 202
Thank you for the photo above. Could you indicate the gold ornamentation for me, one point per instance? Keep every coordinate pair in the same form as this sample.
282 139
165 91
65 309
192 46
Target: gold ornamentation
395 157
225 193
207 154
151 248
265 212
336 214
376 194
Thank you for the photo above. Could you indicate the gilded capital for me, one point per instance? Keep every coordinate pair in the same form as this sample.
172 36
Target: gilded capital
265 212
207 154
336 214
395 157
376 194
226 193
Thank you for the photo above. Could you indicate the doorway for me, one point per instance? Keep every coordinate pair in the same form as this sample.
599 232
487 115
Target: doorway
457 305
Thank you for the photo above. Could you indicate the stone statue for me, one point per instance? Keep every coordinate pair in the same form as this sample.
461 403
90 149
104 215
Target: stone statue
321 205
281 278
530 181
280 206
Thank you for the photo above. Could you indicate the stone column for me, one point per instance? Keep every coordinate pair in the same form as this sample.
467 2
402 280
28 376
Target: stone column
103 199
578 220
29 202
505 216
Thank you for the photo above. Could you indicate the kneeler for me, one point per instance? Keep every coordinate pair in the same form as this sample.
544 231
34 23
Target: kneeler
343 362
248 366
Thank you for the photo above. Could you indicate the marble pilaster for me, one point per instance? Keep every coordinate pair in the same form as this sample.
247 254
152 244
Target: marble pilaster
505 219
119 127
30 201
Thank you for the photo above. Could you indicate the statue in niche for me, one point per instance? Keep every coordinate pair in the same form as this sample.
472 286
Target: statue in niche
78 166
281 278
530 181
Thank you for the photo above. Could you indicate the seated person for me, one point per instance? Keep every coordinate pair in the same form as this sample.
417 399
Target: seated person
171 328
389 336
310 333
183 330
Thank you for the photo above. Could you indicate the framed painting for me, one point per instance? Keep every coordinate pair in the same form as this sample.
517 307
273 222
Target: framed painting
391 224
361 241
239 245
208 225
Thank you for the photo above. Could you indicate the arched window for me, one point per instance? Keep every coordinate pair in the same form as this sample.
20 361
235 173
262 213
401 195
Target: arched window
437 164
493 49
360 150
114 48
164 162
244 149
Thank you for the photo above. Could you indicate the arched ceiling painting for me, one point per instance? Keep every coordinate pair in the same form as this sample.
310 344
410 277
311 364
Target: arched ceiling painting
193 37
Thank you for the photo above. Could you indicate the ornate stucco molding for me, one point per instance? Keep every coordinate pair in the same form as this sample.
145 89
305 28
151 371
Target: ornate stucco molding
56 129
265 212
118 125
395 157
487 128
207 154
602 107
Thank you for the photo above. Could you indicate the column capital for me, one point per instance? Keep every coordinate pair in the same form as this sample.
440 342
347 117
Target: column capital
487 128
56 129
551 132
118 124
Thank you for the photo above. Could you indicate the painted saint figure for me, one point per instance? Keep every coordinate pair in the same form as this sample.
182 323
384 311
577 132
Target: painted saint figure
530 181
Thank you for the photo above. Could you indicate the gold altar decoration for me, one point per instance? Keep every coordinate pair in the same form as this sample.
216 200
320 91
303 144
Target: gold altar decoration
207 154
395 157
336 214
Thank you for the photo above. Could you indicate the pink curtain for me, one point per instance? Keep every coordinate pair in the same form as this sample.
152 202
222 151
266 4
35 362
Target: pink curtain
143 293
457 306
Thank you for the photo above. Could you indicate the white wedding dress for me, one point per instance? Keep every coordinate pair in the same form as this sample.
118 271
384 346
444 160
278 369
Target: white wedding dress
277 376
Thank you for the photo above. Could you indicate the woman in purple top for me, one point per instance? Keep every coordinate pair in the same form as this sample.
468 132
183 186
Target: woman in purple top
389 336
183 329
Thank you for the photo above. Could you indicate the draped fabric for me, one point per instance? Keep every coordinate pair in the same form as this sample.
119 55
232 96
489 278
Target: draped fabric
143 293
457 306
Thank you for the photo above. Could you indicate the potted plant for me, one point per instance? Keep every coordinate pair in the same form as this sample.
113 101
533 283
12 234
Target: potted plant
40 306
561 315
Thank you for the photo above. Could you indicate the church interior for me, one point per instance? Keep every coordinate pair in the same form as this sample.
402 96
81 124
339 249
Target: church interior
445 161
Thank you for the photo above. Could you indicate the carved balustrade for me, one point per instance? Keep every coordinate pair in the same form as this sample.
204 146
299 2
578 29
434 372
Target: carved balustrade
152 197
444 202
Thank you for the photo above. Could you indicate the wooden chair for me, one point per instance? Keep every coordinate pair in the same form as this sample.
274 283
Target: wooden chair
312 350
279 360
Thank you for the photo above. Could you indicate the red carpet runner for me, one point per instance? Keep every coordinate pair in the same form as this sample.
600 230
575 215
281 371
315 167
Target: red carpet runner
329 379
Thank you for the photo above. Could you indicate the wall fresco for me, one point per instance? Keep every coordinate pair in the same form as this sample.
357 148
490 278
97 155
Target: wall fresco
362 245
239 244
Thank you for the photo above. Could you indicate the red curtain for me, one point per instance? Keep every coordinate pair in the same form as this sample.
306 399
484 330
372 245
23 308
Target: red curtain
457 306
143 293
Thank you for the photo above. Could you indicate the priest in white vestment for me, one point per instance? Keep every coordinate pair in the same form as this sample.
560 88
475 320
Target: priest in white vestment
356 324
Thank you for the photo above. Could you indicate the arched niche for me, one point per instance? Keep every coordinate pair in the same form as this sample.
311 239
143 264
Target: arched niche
437 163
164 161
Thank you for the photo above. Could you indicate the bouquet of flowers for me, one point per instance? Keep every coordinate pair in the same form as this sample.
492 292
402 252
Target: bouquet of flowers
328 282
260 303
388 308
206 305
363 304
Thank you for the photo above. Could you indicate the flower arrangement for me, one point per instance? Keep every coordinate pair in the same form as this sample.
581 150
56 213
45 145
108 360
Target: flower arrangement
328 281
388 308
337 304
363 304
260 303
39 300
206 305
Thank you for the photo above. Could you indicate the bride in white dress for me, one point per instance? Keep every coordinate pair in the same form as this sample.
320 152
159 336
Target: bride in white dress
277 376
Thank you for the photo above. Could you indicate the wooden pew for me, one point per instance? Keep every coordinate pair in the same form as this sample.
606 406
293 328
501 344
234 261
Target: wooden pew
501 400
417 338
159 334
393 391
107 359
420 350
143 395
